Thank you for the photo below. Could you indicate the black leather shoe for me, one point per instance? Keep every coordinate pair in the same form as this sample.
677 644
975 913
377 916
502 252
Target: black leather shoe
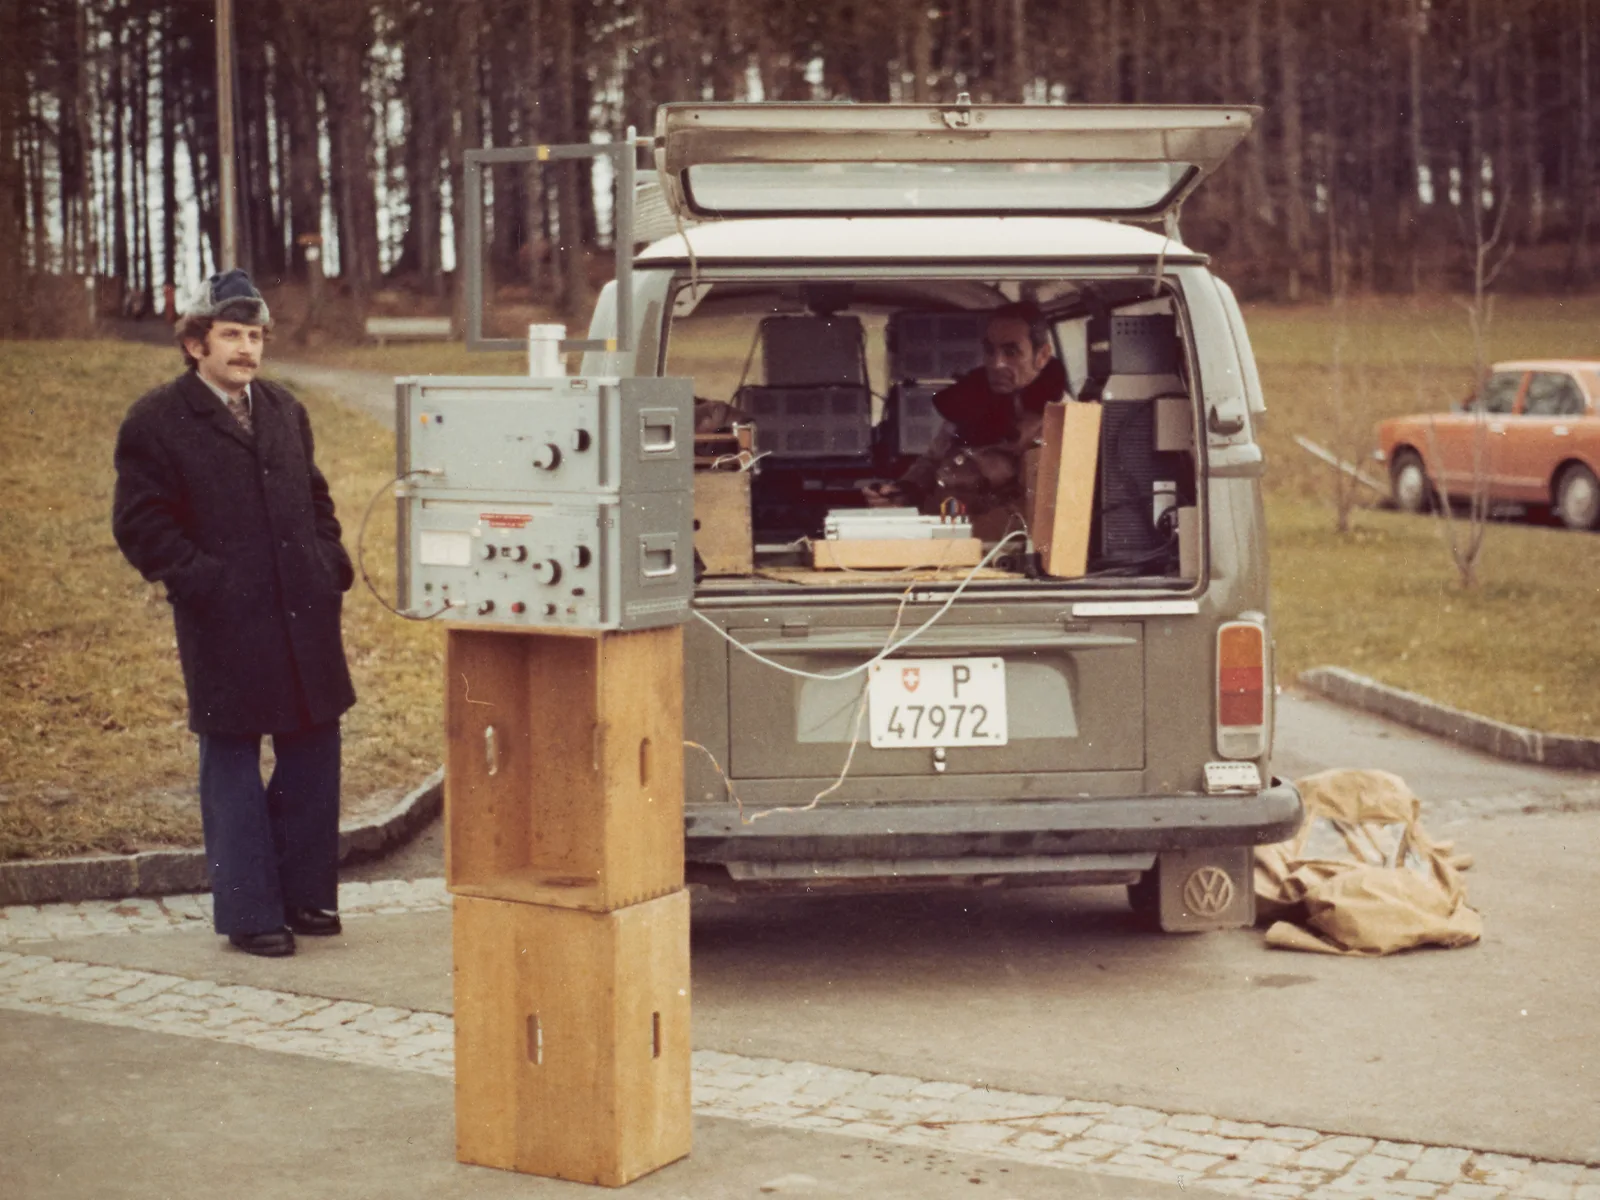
275 943
314 922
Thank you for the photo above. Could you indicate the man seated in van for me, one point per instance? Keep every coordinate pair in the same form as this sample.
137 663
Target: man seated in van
992 415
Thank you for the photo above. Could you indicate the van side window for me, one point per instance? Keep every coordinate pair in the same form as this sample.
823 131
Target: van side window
1552 394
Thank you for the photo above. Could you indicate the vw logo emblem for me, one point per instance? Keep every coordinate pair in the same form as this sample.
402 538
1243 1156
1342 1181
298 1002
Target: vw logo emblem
1208 892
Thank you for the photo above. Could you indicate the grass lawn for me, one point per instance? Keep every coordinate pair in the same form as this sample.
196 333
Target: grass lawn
95 754
1385 599
407 358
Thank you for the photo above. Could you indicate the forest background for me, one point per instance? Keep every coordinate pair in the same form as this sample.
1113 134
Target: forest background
1385 122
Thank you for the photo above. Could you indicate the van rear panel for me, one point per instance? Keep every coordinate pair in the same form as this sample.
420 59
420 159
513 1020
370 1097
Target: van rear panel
1073 698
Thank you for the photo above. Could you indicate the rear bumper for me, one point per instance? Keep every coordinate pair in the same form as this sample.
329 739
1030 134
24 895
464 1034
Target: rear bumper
1101 825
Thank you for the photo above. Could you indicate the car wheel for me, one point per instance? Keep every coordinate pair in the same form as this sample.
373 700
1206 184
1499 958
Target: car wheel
1578 498
1409 483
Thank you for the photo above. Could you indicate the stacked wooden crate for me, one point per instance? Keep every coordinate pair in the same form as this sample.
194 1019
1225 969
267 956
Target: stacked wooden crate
564 849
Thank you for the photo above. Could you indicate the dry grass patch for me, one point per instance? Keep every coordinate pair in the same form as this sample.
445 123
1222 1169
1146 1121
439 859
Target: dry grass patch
406 358
94 749
1383 600
95 756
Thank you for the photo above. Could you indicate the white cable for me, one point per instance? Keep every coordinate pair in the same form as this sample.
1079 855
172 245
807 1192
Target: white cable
888 650
855 739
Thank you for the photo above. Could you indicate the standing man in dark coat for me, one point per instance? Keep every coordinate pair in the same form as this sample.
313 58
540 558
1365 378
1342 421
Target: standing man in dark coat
218 498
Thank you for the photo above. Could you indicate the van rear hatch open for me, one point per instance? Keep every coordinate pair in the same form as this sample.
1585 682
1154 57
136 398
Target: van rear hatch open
1130 161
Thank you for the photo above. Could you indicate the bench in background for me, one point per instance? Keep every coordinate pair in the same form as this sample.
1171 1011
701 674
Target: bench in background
408 329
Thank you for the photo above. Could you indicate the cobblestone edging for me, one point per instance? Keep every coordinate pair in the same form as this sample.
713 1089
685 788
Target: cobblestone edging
1469 729
1256 1160
166 872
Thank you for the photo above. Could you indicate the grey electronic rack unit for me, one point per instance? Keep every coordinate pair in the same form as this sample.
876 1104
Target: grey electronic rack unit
545 503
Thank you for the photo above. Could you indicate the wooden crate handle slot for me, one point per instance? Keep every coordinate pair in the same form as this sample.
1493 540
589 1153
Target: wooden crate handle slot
491 750
655 1035
644 761
535 1040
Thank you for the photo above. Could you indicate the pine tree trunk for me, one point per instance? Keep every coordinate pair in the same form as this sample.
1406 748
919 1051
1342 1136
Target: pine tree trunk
1293 206
13 182
505 180
169 157
350 132
1580 189
118 164
298 39
574 294
465 131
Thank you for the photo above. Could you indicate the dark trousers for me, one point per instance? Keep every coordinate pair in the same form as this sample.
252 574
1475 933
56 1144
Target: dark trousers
275 845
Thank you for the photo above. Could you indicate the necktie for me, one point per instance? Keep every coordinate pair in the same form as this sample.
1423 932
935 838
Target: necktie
240 411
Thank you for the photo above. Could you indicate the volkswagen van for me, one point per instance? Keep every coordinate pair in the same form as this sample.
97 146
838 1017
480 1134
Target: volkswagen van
821 271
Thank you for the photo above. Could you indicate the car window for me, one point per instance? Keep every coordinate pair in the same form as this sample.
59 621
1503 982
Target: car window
1553 394
1499 394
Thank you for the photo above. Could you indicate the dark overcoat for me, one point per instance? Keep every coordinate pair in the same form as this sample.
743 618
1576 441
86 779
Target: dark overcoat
241 530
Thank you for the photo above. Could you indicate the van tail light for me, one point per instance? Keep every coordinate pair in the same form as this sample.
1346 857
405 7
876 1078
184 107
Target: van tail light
1242 681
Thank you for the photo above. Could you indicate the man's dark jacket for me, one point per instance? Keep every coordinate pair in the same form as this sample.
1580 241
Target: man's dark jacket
241 530
983 418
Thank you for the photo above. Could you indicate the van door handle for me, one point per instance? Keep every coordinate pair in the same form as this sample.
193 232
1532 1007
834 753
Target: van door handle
1561 431
1496 427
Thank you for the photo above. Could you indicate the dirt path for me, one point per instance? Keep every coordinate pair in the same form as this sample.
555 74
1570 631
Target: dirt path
371 392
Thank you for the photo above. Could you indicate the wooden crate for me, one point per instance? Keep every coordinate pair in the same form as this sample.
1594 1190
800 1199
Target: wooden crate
722 534
564 766
572 1038
1064 489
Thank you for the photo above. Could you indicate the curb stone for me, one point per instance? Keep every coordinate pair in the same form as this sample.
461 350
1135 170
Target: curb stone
166 872
1512 742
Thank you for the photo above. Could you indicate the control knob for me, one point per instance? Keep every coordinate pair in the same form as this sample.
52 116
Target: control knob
547 571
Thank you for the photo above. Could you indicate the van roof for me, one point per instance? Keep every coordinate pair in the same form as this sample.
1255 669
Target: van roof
916 241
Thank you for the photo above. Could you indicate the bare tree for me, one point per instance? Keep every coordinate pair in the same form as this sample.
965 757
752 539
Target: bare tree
1464 538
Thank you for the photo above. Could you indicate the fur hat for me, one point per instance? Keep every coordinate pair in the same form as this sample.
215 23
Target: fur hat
230 296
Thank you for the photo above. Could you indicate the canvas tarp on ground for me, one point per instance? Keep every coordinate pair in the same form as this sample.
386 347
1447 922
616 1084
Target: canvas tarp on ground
1362 876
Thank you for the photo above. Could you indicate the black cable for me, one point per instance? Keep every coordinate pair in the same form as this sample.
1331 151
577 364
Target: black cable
361 546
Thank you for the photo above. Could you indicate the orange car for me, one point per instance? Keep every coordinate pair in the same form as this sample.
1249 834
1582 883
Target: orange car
1531 434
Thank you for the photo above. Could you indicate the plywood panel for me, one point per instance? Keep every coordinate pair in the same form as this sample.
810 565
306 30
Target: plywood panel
1064 490
572 1038
722 534
486 781
564 780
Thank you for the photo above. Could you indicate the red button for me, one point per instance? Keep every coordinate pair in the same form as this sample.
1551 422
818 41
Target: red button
518 606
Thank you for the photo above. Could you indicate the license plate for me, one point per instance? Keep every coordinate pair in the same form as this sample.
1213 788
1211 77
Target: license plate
937 702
